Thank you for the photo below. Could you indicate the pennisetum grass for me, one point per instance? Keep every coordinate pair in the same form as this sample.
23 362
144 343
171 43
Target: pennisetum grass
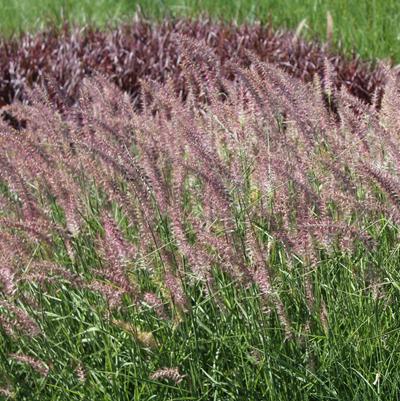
225 245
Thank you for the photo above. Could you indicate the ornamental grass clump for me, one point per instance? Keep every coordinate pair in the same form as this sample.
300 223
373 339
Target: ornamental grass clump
239 178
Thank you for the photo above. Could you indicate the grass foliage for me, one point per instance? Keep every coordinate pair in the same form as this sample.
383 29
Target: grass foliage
238 244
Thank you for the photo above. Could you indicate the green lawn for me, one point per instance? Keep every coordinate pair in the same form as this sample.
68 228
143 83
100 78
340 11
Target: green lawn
371 27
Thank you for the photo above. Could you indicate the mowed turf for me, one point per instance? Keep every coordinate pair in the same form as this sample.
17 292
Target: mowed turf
370 27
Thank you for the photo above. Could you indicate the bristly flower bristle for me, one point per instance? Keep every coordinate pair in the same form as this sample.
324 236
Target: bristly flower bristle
21 322
80 372
36 364
155 303
172 374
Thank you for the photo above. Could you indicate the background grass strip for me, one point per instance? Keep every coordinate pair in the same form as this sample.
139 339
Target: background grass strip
371 27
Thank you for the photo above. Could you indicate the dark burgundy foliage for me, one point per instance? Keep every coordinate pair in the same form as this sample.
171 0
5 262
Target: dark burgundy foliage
143 50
